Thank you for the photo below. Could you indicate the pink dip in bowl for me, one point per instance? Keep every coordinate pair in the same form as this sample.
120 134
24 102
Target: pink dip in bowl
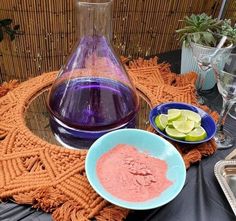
131 175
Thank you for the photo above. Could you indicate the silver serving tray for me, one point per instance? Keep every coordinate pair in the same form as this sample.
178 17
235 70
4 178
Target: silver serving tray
225 172
232 155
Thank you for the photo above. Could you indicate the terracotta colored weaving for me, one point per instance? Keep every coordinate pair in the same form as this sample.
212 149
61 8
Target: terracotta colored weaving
53 178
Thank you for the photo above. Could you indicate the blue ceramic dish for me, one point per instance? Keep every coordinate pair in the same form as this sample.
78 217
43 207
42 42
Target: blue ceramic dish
145 142
207 121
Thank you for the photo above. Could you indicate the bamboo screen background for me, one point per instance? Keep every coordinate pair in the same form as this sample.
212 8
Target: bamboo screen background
140 28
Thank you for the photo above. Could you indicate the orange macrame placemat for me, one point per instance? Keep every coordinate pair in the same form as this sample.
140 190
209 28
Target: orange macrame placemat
53 178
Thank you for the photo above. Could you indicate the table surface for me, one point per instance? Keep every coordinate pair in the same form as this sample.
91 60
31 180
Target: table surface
201 198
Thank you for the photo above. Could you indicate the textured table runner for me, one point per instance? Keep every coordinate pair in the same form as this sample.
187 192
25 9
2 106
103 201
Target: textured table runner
53 178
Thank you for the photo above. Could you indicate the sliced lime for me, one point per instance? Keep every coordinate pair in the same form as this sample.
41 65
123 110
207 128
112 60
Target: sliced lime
197 124
197 134
183 126
182 117
191 115
172 132
161 121
173 114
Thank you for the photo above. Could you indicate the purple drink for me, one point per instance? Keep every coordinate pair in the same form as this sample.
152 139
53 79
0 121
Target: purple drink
92 94
89 108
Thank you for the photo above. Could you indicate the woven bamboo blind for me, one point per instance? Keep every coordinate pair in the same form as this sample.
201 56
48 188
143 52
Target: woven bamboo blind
231 10
140 28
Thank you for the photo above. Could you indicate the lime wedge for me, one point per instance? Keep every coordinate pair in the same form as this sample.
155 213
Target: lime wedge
172 132
170 123
161 121
197 124
191 115
183 126
196 135
180 118
173 114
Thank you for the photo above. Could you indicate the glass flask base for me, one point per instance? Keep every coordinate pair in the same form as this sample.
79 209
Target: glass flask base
77 139
224 139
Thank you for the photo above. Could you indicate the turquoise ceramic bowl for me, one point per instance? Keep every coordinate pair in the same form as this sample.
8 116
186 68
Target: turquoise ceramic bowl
145 141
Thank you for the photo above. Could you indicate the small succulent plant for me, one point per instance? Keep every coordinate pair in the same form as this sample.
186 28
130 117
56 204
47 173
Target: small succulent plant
228 30
5 26
205 30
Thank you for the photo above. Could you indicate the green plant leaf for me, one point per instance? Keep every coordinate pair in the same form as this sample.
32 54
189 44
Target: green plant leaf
196 37
1 34
208 39
12 36
5 26
209 29
10 32
6 21
188 39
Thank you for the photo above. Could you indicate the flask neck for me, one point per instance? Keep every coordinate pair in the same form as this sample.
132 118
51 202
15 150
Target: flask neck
95 19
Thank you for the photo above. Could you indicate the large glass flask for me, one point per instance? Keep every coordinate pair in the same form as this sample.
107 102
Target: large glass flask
92 94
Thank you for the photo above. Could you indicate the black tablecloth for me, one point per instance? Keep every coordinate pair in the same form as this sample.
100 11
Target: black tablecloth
201 199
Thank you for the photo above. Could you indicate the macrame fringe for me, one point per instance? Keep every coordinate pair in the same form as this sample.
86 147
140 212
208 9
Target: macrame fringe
46 198
142 63
112 213
51 200
69 211
191 157
197 153
8 86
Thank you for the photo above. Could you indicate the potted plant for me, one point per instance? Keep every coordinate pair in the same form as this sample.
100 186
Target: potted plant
8 32
201 36
5 27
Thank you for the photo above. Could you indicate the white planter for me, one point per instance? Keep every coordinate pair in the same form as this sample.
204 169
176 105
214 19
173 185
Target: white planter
188 63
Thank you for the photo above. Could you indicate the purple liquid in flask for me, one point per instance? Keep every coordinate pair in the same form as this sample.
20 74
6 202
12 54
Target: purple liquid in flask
92 94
